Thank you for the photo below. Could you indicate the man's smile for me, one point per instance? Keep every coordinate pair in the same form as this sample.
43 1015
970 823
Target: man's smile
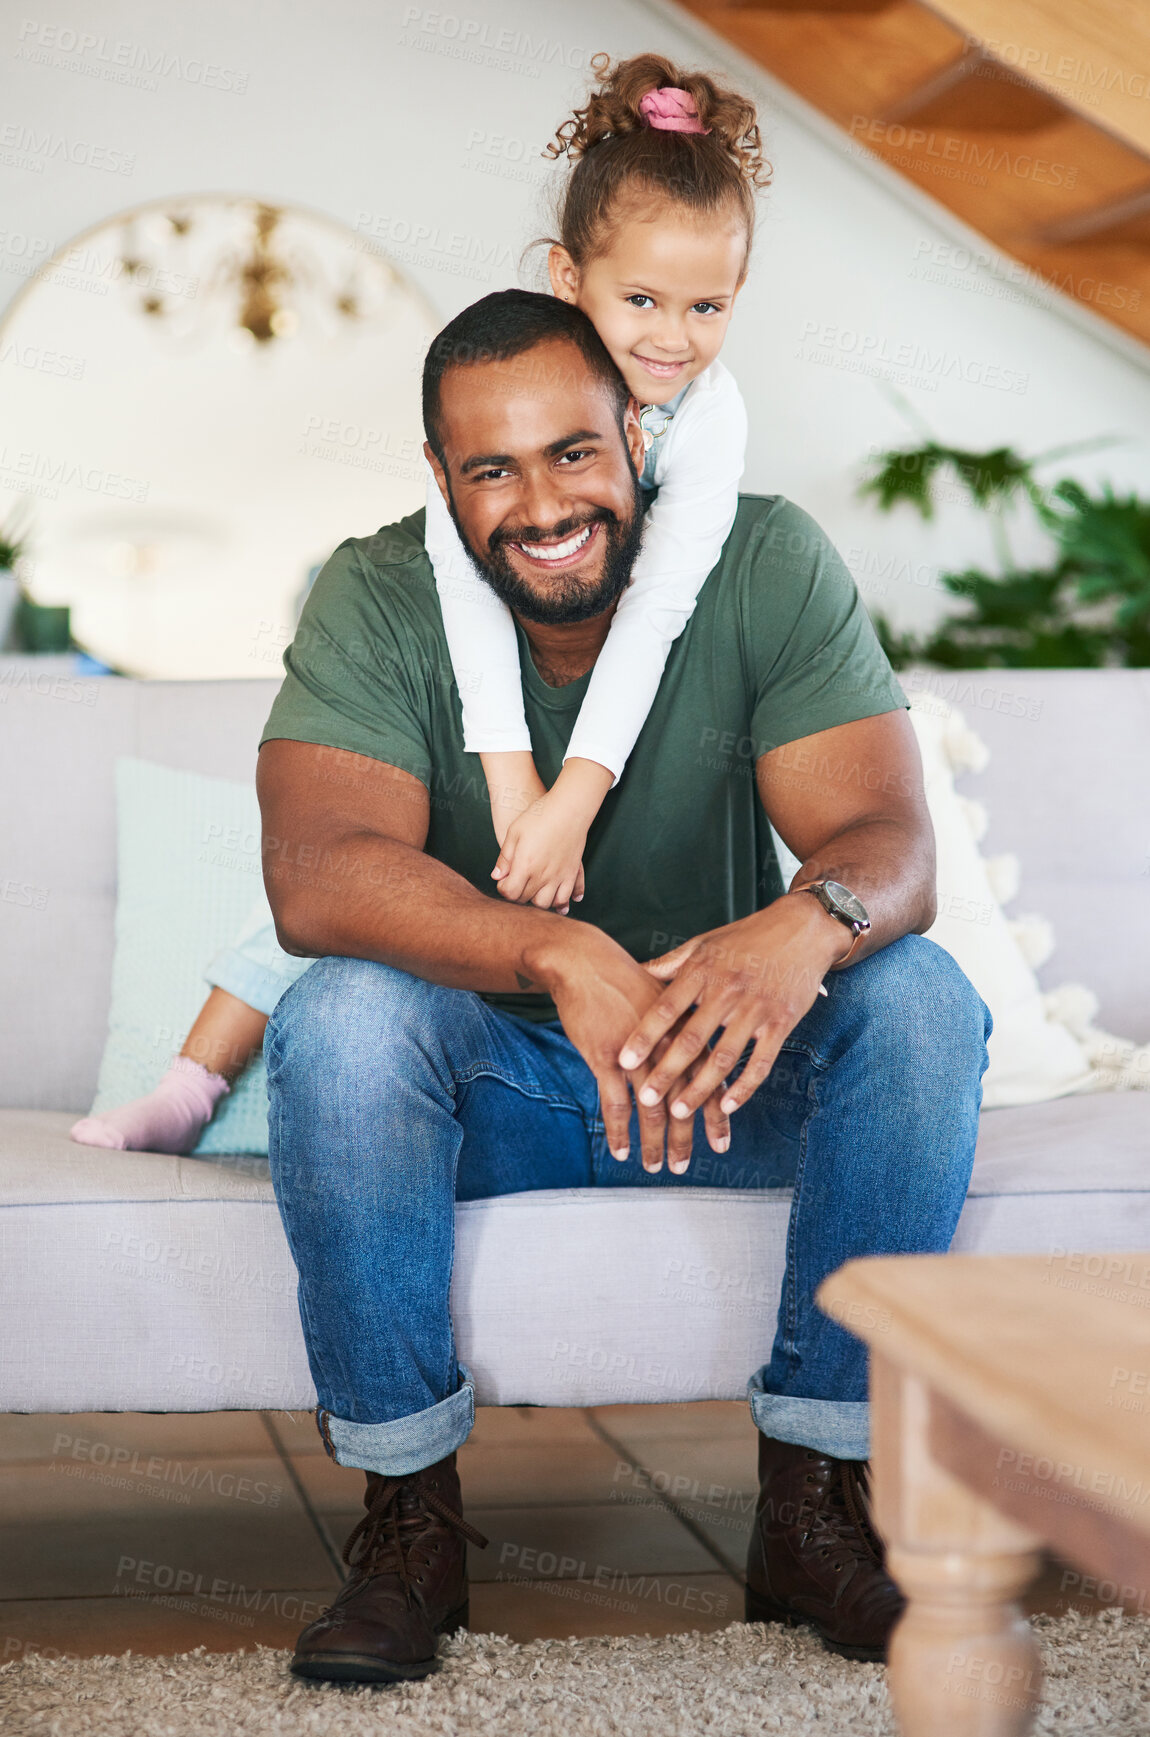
566 553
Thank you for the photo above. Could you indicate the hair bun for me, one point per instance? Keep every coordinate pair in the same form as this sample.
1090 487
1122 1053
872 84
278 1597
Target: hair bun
615 108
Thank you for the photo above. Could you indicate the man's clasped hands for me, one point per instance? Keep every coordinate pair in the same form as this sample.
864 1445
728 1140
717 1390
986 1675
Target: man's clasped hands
674 1028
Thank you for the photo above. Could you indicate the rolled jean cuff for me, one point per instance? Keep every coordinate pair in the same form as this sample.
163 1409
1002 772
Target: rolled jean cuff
248 980
409 1443
838 1427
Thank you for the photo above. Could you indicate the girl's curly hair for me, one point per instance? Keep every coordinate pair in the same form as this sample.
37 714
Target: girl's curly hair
614 150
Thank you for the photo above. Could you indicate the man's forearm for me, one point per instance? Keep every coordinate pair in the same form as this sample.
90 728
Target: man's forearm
891 868
368 897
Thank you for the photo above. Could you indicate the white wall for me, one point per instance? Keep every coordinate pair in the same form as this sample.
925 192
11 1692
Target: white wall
421 125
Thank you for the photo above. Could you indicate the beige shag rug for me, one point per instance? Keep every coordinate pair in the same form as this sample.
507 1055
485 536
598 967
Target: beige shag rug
747 1679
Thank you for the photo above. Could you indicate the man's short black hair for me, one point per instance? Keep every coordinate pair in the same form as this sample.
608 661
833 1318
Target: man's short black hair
505 324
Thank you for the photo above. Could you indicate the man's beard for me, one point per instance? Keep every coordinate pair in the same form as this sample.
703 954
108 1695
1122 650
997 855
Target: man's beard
567 598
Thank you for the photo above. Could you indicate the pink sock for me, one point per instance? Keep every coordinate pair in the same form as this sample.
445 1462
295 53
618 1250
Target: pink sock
170 1119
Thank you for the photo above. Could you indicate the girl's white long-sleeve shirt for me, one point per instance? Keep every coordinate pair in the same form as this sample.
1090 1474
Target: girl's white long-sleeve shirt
699 462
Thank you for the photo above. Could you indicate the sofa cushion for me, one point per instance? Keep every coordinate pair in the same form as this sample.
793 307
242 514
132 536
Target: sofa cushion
1032 1058
1070 1145
60 737
189 872
41 1166
132 1281
1067 790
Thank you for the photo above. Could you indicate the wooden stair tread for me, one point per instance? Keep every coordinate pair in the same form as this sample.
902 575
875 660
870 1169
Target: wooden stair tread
844 62
1049 181
1093 55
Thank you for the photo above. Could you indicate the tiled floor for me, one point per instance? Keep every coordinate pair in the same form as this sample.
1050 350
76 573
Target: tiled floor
157 1533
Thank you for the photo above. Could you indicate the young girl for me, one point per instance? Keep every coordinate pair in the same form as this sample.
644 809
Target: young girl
654 233
655 229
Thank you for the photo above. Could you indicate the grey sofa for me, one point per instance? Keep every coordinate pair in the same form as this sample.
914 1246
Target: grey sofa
137 1281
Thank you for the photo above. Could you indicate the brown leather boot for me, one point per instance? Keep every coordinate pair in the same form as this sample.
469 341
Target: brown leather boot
407 1586
815 1556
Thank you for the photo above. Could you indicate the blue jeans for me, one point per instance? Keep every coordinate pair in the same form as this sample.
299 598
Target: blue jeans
391 1098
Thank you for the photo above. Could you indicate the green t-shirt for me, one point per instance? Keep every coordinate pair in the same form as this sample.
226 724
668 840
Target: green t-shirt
779 647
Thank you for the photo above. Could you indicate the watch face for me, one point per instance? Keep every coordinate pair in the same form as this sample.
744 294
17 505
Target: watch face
845 901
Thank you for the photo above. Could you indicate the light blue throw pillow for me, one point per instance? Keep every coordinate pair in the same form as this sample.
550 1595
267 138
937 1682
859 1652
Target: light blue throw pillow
189 875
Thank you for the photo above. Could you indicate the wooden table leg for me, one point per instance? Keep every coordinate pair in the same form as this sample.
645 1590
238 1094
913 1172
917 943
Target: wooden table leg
963 1660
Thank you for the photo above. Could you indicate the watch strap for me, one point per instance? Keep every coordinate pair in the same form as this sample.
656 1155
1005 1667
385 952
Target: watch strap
839 963
857 929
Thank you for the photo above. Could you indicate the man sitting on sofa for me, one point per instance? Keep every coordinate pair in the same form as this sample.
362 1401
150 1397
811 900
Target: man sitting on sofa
449 1044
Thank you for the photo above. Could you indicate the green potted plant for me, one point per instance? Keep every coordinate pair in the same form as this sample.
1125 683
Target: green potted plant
26 625
11 549
1087 607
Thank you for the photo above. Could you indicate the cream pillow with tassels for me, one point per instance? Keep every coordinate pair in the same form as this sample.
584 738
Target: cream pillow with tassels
1043 1045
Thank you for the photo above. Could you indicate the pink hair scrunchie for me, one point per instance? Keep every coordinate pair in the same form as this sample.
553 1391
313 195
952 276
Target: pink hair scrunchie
671 110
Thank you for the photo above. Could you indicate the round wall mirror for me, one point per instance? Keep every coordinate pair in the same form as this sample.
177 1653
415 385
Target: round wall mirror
202 397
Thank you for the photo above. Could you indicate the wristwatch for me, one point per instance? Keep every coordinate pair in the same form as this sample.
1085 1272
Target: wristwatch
844 905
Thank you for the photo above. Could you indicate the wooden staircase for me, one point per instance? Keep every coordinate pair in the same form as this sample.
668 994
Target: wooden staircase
1029 119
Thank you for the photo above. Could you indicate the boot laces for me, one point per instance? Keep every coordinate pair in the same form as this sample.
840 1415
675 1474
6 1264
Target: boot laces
841 1521
395 1521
